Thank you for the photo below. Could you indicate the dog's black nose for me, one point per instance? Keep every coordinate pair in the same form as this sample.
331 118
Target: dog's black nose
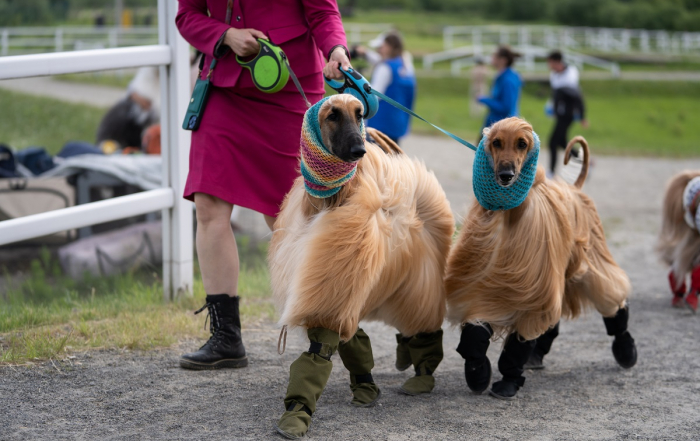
357 151
506 175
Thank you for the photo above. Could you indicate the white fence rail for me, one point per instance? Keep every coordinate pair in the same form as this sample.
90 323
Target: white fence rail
172 55
29 40
604 40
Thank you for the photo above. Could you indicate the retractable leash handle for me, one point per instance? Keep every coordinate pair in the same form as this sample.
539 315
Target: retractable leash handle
355 84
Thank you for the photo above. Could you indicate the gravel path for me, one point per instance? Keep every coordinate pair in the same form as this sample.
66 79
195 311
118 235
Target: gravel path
582 394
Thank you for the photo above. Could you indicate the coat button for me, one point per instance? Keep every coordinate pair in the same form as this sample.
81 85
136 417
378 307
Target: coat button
238 18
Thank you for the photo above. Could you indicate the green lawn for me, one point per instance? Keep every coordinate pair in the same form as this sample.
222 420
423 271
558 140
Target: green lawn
27 120
628 118
48 316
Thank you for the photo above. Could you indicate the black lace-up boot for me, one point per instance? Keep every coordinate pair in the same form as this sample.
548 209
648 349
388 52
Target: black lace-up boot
225 346
473 344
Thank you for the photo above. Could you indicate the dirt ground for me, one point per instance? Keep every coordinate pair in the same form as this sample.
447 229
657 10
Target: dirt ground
582 393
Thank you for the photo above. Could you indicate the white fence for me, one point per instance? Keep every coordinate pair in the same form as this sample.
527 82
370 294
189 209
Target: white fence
30 40
172 55
603 40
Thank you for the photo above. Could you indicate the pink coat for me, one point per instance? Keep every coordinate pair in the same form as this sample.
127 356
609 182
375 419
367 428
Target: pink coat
306 30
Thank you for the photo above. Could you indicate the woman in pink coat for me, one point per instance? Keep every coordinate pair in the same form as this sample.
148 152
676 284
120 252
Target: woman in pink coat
246 150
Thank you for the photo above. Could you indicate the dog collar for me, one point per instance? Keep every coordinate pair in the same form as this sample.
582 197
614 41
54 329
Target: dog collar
324 173
493 196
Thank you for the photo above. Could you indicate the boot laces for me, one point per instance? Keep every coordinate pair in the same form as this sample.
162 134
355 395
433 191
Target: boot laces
214 322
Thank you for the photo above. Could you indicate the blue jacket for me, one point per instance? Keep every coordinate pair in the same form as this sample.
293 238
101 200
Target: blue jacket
505 96
388 119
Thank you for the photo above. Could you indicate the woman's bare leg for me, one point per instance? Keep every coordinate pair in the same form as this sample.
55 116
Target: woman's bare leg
216 245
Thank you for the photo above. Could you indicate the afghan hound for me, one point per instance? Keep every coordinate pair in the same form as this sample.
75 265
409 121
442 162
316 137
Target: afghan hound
679 239
515 273
373 250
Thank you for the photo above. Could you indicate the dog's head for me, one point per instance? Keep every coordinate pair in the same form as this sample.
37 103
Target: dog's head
340 118
508 142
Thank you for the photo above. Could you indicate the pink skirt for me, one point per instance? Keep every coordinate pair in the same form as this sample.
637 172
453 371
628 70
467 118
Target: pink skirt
246 150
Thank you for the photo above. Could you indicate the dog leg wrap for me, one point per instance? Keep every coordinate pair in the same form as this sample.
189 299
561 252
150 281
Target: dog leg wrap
308 376
426 354
623 347
473 344
403 354
357 357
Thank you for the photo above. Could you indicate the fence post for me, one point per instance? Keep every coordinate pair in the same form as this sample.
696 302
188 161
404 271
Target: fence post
177 222
5 42
58 40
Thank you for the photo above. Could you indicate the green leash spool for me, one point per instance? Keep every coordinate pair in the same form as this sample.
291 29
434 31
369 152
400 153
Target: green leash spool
269 68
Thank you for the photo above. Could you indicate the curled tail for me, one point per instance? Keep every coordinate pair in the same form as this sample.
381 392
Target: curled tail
586 155
384 142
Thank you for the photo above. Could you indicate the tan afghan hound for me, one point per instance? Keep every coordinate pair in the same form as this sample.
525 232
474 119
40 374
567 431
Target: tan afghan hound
515 273
679 239
375 250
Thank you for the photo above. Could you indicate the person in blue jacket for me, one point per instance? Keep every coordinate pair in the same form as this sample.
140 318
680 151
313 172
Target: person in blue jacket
394 76
505 91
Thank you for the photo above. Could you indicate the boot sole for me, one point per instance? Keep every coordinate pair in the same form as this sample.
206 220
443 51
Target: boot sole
411 394
221 364
534 367
371 404
501 397
287 435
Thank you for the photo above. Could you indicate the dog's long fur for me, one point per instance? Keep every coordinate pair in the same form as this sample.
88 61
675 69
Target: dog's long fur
678 244
521 270
376 250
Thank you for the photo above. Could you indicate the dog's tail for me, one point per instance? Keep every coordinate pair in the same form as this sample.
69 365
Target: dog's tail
586 155
384 142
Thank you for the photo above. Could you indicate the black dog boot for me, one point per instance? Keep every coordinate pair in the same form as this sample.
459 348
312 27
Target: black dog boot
511 363
225 346
623 347
473 344
403 354
357 357
542 346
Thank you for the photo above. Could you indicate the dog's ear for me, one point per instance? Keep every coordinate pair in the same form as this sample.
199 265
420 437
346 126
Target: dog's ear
486 132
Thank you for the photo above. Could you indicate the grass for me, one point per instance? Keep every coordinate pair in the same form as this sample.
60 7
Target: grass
48 316
109 78
626 118
27 120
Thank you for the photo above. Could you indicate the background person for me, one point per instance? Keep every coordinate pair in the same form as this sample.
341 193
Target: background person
505 91
394 76
235 159
567 104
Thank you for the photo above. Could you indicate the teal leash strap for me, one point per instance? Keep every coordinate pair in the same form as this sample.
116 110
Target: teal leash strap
412 113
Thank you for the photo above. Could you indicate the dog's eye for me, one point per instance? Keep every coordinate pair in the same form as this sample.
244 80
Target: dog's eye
496 143
333 116
358 115
522 145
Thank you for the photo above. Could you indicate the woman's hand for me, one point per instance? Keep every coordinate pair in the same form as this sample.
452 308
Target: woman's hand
338 58
243 42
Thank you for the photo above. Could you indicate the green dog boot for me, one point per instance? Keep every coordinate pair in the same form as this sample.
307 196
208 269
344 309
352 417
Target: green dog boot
356 354
364 392
403 354
426 354
294 422
308 376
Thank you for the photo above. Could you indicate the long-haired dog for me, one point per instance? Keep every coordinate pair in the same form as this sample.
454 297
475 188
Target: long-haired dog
679 239
515 273
375 250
